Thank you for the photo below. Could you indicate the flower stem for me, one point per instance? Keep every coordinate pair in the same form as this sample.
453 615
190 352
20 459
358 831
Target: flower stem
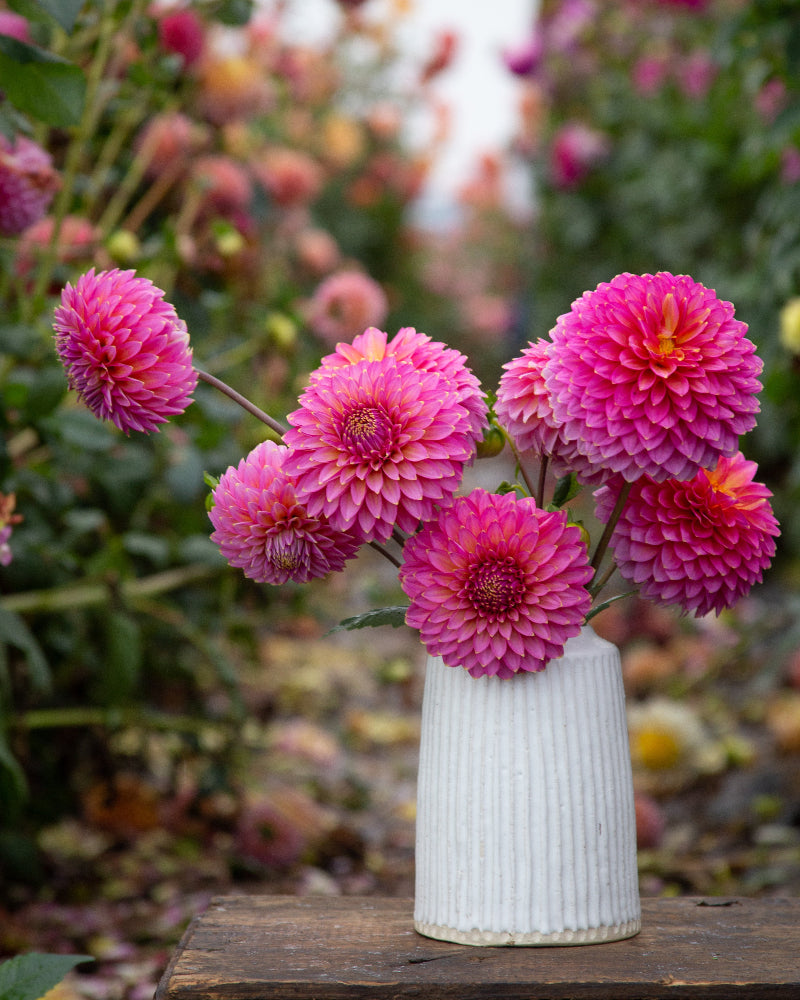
245 403
542 479
595 588
385 552
603 544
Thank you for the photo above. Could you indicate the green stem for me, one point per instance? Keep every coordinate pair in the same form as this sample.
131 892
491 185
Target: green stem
603 544
110 718
385 552
85 595
245 403
544 462
595 588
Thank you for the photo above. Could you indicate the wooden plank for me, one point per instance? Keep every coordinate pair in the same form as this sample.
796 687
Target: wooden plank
321 948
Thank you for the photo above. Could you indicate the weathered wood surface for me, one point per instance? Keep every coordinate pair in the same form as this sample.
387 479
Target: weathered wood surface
279 947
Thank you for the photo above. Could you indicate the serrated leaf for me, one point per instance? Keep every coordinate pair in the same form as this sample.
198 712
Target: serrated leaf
394 616
40 84
29 977
15 632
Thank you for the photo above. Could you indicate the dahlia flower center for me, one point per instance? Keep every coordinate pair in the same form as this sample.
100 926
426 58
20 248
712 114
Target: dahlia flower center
496 587
367 431
286 553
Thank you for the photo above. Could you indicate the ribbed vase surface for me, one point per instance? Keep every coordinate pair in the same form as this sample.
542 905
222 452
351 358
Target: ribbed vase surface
526 831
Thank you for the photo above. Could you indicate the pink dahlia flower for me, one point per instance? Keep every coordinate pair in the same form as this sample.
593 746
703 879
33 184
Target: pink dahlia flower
524 409
496 585
426 355
377 445
28 182
653 375
261 528
125 350
344 304
700 544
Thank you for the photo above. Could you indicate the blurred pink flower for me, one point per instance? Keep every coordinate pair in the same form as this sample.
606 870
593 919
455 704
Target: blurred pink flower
790 165
226 184
15 26
771 99
649 74
377 445
650 821
496 585
700 544
125 350
576 149
425 355
290 176
652 374
344 304
169 140
266 835
77 240
524 58
262 529
317 250
696 74
182 32
28 182
568 23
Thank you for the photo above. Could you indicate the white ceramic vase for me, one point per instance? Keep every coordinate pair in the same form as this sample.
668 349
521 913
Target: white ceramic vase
526 830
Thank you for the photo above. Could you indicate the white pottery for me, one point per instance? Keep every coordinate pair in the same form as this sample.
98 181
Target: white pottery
526 831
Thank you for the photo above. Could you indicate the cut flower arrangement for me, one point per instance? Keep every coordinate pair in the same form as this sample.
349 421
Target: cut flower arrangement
641 392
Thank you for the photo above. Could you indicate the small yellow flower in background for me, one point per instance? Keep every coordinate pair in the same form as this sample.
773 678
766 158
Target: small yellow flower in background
343 141
790 325
670 745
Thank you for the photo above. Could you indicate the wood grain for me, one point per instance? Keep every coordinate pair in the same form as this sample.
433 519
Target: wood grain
321 948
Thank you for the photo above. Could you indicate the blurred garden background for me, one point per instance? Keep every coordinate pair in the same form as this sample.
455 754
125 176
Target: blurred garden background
170 730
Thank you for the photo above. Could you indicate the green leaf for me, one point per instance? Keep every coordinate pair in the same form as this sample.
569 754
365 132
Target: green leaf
394 616
15 632
123 649
234 13
40 84
566 489
64 11
506 487
607 604
29 977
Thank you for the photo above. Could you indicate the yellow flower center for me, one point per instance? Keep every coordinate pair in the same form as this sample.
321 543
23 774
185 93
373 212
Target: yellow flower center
657 749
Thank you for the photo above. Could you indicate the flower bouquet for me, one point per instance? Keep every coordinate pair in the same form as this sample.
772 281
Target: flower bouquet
641 392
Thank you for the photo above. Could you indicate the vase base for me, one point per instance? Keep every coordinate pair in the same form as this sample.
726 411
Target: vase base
530 939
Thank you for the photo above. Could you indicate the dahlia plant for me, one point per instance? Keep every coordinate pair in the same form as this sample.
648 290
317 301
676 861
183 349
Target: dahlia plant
642 391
